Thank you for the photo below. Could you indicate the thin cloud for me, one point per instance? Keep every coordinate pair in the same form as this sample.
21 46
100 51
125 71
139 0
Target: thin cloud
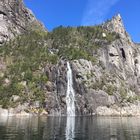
96 11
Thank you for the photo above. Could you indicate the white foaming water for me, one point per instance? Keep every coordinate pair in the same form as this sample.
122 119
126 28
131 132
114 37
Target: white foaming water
70 95
70 102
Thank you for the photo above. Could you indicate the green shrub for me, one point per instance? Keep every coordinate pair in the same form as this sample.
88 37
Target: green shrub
123 93
110 89
27 54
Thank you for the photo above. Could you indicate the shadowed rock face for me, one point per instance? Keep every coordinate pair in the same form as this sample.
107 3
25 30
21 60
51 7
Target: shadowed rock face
14 19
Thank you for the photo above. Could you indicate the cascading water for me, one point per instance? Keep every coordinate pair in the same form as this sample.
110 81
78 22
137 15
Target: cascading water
70 102
70 95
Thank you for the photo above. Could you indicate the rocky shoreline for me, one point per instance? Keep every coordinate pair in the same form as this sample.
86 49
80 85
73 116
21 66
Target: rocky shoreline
114 111
128 111
22 113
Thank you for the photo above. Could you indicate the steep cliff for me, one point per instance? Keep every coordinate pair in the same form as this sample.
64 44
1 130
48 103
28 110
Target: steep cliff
109 85
33 66
15 19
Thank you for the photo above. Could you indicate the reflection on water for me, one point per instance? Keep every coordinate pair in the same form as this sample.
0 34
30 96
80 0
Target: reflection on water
62 128
70 126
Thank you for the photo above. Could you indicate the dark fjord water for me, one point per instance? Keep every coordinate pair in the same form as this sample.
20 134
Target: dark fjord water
62 128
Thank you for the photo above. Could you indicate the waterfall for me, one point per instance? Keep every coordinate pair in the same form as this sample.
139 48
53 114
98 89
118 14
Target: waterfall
70 102
70 95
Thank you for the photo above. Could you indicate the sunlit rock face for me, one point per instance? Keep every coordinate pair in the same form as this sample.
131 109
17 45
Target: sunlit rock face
107 82
112 82
116 25
14 19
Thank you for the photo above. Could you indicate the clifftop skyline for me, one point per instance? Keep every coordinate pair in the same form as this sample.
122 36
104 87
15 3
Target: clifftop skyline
86 12
84 70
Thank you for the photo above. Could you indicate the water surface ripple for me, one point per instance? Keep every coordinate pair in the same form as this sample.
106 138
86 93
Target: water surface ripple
59 128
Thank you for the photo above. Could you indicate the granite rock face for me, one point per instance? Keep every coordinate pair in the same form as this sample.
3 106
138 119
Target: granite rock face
109 86
14 19
116 25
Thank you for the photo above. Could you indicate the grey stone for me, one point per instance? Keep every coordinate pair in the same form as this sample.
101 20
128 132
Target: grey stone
15 19
109 86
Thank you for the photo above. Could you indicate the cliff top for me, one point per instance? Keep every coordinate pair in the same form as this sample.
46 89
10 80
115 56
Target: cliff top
116 25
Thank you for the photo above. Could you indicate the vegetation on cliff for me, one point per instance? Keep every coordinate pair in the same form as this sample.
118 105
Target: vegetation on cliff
79 42
27 55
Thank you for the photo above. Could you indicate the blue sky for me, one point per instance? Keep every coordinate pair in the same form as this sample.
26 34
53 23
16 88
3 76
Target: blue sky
87 12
